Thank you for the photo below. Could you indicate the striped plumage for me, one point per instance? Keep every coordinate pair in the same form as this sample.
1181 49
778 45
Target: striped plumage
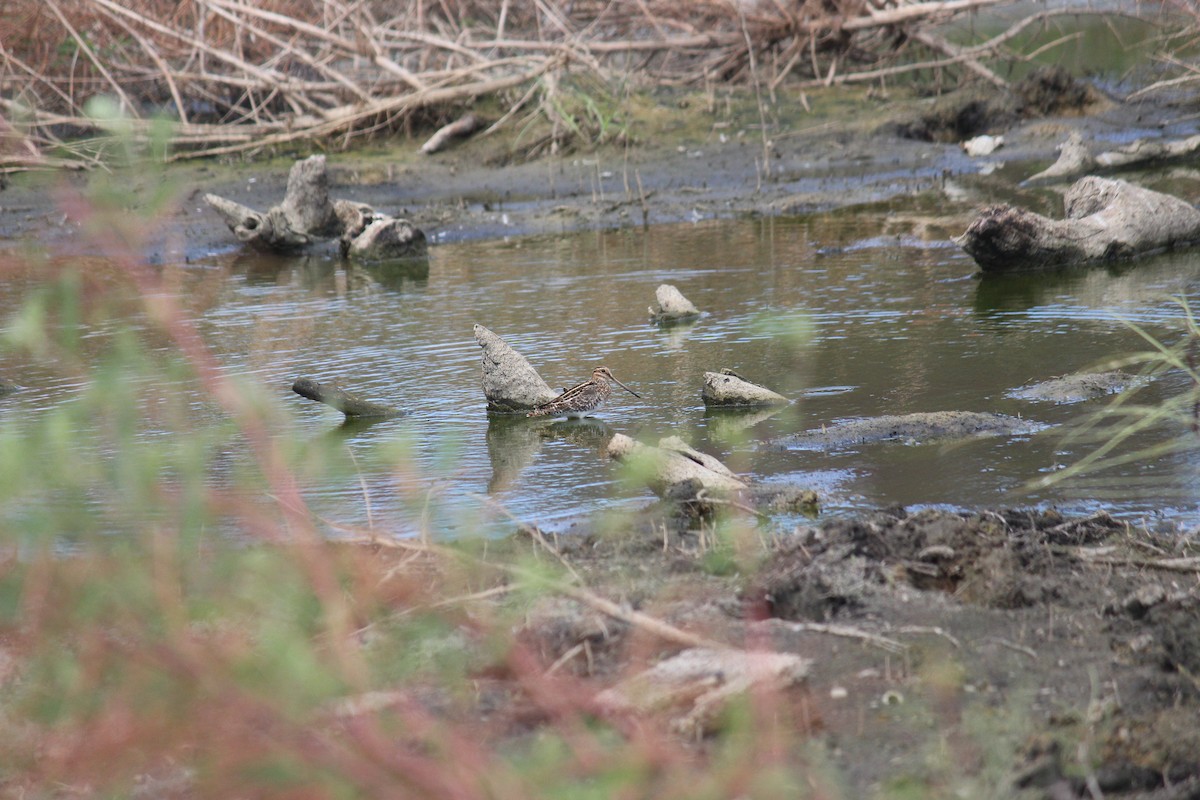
581 400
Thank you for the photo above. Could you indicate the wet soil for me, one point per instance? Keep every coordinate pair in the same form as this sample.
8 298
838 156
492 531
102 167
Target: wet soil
684 156
1028 655
1007 653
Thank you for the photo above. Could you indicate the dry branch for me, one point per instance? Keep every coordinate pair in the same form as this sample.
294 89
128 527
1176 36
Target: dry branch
463 126
308 215
241 77
1076 158
1105 220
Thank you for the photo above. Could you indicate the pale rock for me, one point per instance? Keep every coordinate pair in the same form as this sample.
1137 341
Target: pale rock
671 305
510 383
725 388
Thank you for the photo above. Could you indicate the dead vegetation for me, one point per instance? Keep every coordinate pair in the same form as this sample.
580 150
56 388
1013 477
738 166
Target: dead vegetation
236 76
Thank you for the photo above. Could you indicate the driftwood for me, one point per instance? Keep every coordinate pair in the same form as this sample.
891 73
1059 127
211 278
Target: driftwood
1105 220
1075 157
307 216
348 403
463 126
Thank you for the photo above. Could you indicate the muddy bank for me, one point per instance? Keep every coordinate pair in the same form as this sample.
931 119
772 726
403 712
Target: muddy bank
1038 654
685 160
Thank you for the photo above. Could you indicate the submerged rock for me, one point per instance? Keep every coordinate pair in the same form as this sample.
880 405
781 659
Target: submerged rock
672 306
510 383
915 428
727 388
350 404
1077 388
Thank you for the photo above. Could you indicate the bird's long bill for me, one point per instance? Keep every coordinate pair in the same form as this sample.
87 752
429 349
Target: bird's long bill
623 386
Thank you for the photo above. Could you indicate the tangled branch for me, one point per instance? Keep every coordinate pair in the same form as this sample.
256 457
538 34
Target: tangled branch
238 76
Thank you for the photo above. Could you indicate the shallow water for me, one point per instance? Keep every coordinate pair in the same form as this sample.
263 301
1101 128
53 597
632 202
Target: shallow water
831 310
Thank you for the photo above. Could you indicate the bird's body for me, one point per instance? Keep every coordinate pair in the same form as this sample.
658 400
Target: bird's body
582 399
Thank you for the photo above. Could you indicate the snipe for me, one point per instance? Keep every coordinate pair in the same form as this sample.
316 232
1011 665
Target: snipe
581 400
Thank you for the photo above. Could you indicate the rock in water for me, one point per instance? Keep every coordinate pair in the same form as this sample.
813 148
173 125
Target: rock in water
667 469
918 428
510 383
1078 387
350 404
672 305
675 444
726 388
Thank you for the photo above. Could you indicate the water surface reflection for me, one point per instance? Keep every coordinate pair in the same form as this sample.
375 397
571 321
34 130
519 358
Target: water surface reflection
822 309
